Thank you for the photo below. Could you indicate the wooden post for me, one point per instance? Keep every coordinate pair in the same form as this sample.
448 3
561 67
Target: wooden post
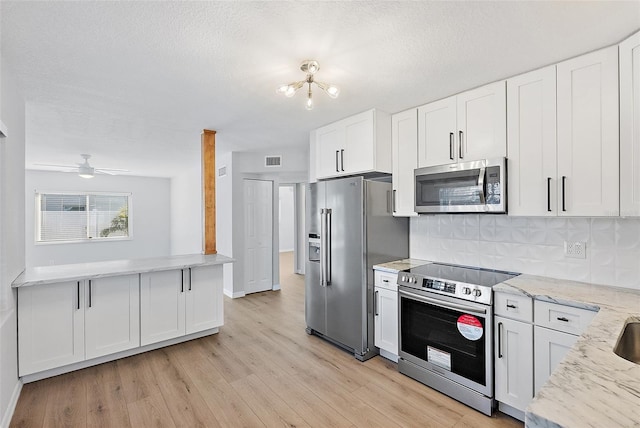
209 190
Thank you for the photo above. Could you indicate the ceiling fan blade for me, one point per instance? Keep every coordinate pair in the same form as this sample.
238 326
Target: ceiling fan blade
102 171
55 165
113 169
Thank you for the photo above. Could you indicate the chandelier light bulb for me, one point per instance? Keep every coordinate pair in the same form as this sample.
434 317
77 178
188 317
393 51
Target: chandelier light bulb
282 89
309 103
333 91
291 91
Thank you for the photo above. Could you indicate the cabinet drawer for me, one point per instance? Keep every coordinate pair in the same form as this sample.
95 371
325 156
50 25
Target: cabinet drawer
562 318
385 280
513 306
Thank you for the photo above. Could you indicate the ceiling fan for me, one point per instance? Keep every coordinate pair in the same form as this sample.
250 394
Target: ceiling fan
83 169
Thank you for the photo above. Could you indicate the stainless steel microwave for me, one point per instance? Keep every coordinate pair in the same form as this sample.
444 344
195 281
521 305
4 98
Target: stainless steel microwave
466 187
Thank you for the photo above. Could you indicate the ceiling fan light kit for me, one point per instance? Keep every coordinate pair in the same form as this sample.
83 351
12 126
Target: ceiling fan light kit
84 169
310 67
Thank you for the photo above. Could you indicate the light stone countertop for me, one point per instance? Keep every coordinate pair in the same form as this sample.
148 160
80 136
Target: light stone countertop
592 386
398 265
73 272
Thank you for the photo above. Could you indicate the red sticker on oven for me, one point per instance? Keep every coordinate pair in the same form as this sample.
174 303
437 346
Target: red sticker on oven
470 327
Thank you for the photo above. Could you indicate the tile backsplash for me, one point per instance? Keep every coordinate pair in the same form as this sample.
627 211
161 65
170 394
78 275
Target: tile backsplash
533 245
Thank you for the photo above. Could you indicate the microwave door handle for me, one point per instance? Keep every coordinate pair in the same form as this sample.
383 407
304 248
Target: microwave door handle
481 184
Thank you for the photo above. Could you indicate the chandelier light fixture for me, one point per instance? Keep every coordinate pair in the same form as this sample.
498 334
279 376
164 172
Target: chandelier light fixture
310 67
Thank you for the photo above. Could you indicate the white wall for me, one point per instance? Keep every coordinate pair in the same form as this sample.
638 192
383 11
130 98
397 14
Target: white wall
186 212
149 217
301 195
12 231
224 218
533 245
287 217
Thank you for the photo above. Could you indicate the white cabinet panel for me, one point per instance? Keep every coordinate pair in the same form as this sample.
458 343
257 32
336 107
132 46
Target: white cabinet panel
482 123
162 306
514 362
531 143
204 299
356 145
386 320
112 315
550 348
437 133
51 326
404 140
588 140
630 126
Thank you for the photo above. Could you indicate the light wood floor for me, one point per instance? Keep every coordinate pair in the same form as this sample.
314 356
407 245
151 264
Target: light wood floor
262 369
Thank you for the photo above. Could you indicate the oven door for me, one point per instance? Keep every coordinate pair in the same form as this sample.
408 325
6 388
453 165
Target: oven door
448 336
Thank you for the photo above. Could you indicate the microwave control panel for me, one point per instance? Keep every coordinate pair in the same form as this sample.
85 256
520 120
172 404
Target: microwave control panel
492 177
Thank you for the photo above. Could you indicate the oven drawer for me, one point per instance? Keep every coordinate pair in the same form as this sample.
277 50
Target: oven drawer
562 318
385 280
514 306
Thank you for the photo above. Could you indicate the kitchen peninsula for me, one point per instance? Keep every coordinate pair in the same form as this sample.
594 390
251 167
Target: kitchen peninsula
78 315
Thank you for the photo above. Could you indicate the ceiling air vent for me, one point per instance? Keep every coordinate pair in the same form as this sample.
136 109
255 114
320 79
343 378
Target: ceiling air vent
273 161
222 171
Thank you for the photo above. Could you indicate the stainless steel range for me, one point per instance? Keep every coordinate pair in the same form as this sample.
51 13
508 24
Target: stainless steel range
446 330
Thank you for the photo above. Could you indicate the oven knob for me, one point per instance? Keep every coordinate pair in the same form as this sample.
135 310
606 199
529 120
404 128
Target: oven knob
466 290
477 292
403 278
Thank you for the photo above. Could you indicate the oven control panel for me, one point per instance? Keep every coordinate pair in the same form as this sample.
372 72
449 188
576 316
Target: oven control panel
460 290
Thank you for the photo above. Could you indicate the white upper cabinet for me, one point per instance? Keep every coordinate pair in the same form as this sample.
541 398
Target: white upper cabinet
482 122
465 127
356 145
588 141
404 144
531 143
630 126
437 133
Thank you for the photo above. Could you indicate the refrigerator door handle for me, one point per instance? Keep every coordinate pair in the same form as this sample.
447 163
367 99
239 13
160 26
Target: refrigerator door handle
327 241
323 234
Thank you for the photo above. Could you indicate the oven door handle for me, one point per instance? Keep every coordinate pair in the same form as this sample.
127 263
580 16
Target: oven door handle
443 304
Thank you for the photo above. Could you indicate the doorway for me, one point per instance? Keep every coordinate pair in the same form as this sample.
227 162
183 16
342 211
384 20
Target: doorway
258 235
291 230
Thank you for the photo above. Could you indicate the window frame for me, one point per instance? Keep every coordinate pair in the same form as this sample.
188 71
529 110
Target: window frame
38 216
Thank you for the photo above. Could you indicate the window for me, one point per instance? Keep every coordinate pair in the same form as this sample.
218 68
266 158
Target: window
64 217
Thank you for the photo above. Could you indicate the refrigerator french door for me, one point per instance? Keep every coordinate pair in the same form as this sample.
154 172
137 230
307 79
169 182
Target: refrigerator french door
350 228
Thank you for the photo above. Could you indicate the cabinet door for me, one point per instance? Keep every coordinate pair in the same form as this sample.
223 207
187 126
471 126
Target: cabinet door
329 142
112 315
531 143
630 126
482 122
51 320
437 133
404 143
359 144
550 347
588 135
161 306
386 320
204 298
514 362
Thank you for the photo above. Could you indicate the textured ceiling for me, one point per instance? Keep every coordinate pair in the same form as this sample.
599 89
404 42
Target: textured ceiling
134 83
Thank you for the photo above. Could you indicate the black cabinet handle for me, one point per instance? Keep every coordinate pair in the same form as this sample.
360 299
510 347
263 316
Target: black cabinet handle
182 281
511 306
375 303
460 148
90 286
189 279
451 145
78 295
393 201
499 340
563 319
549 194
337 169
342 159
564 178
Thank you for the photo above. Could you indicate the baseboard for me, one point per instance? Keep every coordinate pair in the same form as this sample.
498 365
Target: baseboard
234 295
276 287
511 411
8 415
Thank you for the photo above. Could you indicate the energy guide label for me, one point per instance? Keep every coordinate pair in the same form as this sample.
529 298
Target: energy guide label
470 327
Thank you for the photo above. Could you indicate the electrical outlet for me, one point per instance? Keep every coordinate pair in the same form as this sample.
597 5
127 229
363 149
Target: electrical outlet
575 250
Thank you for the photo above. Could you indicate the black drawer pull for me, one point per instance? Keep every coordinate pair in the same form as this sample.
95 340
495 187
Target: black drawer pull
511 306
563 319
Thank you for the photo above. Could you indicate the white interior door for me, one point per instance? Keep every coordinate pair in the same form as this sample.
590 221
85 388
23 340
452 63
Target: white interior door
258 235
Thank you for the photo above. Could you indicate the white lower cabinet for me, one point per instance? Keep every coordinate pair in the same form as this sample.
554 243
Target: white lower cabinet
51 326
386 314
112 315
513 362
550 347
179 302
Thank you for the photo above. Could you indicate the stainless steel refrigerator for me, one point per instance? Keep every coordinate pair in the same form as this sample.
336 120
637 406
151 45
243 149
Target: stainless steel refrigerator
350 228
